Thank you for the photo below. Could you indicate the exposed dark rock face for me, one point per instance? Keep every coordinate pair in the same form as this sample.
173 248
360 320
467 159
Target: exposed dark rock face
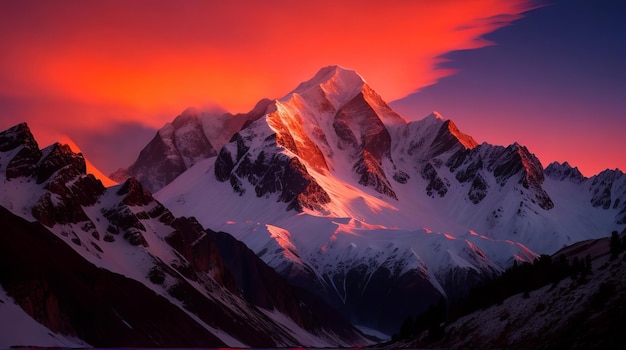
602 198
17 136
563 172
478 190
369 146
533 177
277 173
65 212
301 190
517 159
601 187
470 172
178 146
450 138
514 162
25 161
401 177
134 193
264 287
201 251
128 224
371 174
57 157
357 127
65 173
62 172
157 165
608 190
435 183
457 159
224 164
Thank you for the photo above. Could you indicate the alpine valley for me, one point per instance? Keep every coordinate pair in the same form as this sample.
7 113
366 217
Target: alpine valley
308 221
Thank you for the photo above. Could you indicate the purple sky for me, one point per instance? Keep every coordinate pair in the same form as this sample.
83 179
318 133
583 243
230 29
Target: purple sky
554 81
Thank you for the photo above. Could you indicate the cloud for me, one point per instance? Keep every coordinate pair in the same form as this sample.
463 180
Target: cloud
89 65
162 54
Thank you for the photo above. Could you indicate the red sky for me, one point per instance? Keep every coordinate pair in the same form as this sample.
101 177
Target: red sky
91 68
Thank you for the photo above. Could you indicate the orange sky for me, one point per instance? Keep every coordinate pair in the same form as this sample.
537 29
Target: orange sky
88 68
159 57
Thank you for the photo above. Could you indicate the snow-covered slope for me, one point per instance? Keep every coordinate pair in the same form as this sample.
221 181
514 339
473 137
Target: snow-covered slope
348 199
124 244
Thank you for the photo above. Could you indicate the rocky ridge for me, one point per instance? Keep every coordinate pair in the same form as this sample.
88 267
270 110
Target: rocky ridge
328 173
125 232
191 137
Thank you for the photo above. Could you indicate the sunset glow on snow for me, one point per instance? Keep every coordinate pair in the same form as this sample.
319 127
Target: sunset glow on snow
79 68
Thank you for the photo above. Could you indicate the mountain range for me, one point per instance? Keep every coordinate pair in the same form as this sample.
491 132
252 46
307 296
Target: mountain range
96 266
311 213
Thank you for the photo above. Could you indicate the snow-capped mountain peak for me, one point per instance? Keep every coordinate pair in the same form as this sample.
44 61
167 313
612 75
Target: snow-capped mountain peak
342 195
193 136
336 81
563 171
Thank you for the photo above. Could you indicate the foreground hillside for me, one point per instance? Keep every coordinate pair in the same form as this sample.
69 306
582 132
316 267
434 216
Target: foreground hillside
584 311
81 264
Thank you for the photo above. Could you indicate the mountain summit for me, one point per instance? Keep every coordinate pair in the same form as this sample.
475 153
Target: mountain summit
346 198
340 82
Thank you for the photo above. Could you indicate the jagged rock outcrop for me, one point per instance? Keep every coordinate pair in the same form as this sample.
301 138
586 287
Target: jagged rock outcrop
362 132
192 137
502 164
561 172
163 265
608 191
61 172
25 161
273 173
435 183
134 193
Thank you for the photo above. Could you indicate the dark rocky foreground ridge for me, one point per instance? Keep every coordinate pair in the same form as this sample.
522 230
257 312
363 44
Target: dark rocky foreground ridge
67 294
68 246
584 310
